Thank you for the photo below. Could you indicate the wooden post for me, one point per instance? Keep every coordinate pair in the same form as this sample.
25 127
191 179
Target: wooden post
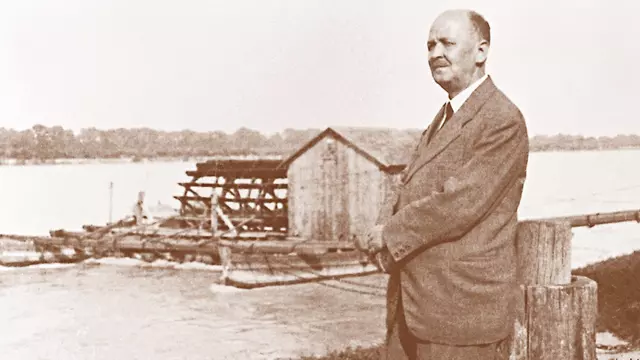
214 213
110 201
223 252
562 320
556 312
544 252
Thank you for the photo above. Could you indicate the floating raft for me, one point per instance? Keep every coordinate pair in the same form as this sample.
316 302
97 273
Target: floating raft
20 251
254 265
105 241
249 259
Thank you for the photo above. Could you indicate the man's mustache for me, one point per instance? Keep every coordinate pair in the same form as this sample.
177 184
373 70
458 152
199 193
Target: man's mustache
438 63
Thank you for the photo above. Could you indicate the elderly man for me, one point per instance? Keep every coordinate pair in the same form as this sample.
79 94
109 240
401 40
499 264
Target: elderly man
447 238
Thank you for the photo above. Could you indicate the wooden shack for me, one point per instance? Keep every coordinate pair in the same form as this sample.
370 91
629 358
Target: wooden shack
336 186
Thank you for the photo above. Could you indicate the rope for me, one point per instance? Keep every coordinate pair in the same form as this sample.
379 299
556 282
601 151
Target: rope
372 286
323 281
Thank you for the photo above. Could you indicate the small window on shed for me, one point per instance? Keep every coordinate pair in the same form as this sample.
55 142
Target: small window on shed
330 149
331 145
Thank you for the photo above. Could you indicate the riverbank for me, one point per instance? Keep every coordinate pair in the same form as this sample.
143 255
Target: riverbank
374 354
358 353
618 295
618 312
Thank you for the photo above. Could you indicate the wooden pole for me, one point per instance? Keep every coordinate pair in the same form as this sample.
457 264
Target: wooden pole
590 220
110 201
556 313
544 252
214 213
224 252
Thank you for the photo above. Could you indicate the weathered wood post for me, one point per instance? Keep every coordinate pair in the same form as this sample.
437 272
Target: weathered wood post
224 252
557 312
110 202
214 213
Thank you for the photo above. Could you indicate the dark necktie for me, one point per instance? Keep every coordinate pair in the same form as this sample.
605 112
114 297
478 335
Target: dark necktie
448 113
426 139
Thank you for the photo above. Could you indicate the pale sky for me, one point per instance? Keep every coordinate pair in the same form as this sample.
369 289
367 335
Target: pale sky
571 66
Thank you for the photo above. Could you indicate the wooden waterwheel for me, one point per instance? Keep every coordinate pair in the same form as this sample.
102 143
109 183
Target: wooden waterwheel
251 193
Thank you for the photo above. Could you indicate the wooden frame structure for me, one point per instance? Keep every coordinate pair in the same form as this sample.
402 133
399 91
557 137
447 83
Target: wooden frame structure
337 187
251 193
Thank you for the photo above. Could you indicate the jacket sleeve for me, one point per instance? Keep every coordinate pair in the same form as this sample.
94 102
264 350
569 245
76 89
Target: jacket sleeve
500 157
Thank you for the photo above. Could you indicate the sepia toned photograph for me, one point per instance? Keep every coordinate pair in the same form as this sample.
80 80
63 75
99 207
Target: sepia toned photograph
319 180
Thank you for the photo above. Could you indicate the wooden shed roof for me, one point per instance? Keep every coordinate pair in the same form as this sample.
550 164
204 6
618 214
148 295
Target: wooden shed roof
247 166
387 148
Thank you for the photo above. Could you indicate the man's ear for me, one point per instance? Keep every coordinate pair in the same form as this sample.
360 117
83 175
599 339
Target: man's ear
483 52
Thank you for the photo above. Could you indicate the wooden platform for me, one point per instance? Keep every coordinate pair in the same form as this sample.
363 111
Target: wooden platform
169 243
260 270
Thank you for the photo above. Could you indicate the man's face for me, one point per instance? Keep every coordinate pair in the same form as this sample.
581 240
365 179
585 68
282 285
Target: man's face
453 51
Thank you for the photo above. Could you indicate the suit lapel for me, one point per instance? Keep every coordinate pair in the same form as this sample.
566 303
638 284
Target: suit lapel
427 134
451 130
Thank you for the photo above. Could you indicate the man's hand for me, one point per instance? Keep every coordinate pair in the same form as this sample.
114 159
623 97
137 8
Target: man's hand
371 242
375 240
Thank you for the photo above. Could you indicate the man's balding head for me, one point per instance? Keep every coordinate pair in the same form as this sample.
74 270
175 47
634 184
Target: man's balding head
458 46
480 25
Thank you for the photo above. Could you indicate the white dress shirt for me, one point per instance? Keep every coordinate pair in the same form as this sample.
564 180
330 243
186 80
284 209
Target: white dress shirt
458 100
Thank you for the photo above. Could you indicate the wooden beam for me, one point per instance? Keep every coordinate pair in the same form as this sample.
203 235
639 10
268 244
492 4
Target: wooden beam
213 216
135 243
240 173
234 218
313 247
242 186
238 164
590 220
207 200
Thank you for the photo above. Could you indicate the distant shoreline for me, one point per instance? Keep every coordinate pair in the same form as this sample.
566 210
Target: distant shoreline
196 159
43 145
80 161
123 160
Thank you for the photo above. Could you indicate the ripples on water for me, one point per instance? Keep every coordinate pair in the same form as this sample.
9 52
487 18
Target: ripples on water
127 312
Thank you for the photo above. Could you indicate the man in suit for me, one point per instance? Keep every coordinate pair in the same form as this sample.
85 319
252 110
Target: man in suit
447 238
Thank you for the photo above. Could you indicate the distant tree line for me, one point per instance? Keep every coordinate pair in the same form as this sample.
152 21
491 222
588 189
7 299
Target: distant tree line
44 143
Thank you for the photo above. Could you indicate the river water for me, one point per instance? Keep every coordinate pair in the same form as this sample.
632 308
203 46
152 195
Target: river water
125 309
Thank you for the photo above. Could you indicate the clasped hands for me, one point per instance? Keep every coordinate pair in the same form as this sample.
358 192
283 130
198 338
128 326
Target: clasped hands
373 244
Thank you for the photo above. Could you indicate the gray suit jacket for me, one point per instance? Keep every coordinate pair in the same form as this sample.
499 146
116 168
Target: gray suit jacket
451 226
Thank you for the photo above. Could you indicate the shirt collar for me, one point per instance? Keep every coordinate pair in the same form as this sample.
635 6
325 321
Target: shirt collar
458 100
